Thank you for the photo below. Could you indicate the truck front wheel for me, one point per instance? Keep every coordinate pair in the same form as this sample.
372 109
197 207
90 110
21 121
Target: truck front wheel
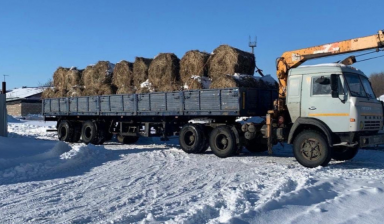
341 153
311 149
223 141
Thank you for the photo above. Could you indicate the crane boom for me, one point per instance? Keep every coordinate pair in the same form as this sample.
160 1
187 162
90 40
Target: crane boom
293 59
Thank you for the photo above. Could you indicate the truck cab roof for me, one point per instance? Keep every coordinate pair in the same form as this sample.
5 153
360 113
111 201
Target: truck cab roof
324 68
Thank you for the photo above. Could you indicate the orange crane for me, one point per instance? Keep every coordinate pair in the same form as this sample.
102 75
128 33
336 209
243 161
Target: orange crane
293 59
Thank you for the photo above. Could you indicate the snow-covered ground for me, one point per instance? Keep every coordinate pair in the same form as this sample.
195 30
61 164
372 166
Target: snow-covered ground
46 181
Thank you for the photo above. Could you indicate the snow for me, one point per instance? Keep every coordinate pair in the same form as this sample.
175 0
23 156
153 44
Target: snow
147 85
381 98
267 78
24 92
46 181
111 66
206 82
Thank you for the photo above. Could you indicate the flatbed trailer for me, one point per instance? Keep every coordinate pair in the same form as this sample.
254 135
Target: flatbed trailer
95 119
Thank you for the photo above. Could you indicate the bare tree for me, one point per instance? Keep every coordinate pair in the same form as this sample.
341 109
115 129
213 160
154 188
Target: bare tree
48 83
377 82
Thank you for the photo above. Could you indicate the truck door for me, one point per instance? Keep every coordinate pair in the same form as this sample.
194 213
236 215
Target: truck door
294 96
318 103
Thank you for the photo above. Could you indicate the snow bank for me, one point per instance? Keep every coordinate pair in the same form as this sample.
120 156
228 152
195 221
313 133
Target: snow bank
62 157
12 119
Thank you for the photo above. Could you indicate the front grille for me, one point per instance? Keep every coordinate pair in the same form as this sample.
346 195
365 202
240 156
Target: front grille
371 125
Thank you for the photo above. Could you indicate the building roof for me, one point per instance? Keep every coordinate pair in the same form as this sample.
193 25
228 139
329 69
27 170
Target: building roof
24 92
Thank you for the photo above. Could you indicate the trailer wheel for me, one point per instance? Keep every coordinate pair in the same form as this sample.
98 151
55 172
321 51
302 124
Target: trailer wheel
192 139
311 149
223 142
127 139
65 131
89 133
341 153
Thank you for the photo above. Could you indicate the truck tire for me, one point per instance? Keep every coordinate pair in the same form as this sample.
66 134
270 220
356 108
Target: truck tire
311 149
341 153
127 139
192 138
89 133
65 131
223 141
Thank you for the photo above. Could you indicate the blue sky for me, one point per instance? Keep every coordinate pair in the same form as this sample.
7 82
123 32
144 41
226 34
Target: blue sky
38 36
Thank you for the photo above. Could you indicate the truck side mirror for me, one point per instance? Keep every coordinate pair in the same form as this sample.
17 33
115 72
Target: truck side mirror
335 85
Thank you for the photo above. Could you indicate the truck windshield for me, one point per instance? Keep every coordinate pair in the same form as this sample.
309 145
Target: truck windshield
368 87
355 86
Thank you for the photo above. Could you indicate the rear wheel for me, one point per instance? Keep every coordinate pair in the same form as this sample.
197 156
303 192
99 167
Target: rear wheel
65 131
192 139
223 142
93 132
127 139
89 132
341 153
311 149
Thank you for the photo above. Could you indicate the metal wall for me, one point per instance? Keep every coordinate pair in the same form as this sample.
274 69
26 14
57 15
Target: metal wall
3 116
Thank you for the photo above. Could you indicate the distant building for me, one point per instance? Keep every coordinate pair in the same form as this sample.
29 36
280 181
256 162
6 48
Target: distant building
24 101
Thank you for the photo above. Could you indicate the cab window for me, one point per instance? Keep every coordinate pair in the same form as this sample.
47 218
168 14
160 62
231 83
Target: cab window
320 87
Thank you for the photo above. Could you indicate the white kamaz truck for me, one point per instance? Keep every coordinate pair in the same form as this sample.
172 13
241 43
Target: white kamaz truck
326 111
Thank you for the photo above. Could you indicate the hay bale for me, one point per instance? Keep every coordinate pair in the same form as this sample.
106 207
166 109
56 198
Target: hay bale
60 93
197 82
73 78
145 87
125 90
193 63
98 74
140 70
87 75
163 72
123 75
48 93
99 89
59 78
75 91
229 81
227 60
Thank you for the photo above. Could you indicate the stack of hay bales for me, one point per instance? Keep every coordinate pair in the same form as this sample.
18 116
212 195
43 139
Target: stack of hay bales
163 73
226 67
97 79
227 61
66 82
140 74
194 66
123 77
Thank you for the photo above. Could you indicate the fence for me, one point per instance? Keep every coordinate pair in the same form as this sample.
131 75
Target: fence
3 116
